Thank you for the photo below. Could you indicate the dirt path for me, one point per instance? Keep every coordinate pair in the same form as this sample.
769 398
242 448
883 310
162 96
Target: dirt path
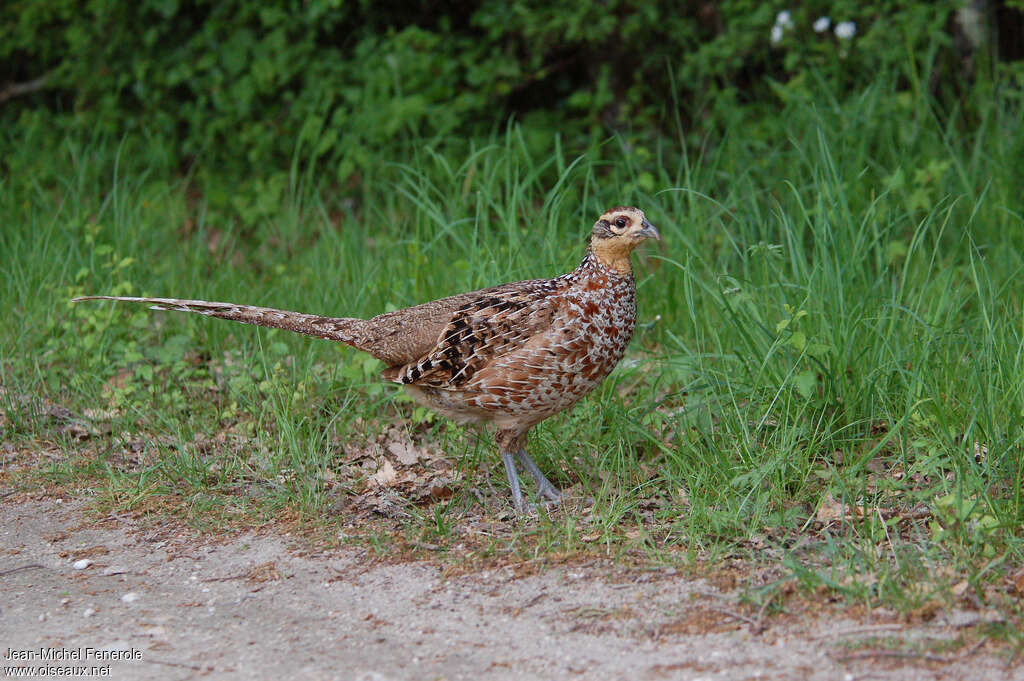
255 608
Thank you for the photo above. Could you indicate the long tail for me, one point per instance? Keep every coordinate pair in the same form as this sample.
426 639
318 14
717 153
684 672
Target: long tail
342 329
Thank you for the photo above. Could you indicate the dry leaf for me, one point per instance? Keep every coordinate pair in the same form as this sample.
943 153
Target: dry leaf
405 452
832 509
1018 581
385 475
829 510
441 492
684 497
264 572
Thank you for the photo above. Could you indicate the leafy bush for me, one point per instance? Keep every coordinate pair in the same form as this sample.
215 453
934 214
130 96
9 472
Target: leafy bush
325 81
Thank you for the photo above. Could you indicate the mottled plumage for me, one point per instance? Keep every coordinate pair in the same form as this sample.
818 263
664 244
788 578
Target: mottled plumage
510 355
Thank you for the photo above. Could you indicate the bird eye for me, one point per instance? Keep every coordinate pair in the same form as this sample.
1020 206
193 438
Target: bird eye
620 222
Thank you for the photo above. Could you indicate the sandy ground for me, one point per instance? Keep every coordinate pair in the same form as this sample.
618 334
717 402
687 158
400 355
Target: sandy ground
181 606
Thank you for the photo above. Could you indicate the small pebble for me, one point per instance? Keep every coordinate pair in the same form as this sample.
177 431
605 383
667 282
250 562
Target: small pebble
42 617
89 612
81 564
65 601
130 597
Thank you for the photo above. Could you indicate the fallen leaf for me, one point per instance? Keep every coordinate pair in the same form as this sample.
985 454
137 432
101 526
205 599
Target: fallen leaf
832 509
264 572
405 452
829 510
385 475
441 492
1018 581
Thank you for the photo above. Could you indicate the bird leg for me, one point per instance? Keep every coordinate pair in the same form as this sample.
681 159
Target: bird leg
513 482
544 486
512 446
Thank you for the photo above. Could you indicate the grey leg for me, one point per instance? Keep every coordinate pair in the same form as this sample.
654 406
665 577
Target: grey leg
544 486
513 481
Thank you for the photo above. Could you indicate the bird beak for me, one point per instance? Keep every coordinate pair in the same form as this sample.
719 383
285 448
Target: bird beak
649 231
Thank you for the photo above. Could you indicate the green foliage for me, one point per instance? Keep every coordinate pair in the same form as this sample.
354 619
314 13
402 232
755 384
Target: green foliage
325 82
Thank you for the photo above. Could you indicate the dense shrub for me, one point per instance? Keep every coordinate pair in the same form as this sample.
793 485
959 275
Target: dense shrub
258 83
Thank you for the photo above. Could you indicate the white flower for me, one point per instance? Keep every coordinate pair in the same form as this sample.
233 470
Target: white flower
784 19
846 30
822 24
776 34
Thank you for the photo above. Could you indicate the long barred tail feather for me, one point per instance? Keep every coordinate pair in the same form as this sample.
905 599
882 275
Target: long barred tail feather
342 329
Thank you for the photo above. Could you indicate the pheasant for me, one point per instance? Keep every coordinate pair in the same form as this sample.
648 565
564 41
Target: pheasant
511 355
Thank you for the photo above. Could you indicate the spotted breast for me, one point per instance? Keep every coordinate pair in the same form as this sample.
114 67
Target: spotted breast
493 368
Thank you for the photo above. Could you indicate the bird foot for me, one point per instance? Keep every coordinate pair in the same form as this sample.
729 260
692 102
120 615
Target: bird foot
545 488
526 507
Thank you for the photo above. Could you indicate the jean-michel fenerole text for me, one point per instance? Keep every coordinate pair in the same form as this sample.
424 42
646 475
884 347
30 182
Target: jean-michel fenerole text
76 654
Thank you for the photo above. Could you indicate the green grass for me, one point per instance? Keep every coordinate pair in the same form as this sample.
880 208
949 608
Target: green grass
833 321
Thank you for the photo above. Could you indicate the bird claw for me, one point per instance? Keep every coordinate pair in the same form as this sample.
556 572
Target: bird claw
529 508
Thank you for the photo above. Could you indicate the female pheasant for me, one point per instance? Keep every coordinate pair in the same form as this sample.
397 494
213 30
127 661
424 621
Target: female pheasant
510 355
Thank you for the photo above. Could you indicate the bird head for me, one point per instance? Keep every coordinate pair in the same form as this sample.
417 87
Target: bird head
617 232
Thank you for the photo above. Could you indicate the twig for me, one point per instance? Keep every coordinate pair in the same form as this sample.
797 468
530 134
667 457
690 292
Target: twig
183 665
759 626
30 566
534 600
735 615
18 89
895 558
973 649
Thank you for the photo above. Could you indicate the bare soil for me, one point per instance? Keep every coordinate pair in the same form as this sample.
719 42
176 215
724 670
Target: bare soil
186 605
